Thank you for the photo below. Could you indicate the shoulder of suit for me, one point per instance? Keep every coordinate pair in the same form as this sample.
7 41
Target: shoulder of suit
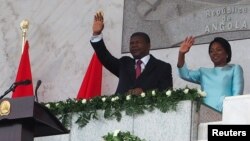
126 59
160 62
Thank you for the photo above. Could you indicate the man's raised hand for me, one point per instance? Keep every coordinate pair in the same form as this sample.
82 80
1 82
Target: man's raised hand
98 24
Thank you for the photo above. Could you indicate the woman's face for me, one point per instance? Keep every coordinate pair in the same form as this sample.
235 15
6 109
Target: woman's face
218 55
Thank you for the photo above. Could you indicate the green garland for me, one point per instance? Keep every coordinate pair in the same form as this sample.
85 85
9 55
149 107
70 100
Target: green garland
121 136
113 105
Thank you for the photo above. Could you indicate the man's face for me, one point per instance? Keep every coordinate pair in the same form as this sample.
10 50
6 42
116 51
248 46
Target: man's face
139 47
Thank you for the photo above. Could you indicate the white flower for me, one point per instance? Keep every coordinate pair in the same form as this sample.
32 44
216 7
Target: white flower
57 104
116 132
186 91
47 105
114 98
153 93
203 94
103 99
168 93
199 91
143 94
128 97
84 101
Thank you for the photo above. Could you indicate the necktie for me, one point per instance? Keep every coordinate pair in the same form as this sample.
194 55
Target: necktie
138 68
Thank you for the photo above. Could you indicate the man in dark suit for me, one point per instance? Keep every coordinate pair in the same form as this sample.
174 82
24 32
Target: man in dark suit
142 72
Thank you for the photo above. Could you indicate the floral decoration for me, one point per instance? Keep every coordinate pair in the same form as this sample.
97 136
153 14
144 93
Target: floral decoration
118 135
114 105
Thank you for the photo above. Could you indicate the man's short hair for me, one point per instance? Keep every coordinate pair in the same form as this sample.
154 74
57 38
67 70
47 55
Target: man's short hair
143 35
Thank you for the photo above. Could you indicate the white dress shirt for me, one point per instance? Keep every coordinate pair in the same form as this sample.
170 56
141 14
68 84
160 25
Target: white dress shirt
144 60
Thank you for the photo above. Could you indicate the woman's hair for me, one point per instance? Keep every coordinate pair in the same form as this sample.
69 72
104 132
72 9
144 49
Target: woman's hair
225 44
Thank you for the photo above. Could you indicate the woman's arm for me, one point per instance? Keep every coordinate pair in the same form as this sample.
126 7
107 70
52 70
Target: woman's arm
184 48
238 81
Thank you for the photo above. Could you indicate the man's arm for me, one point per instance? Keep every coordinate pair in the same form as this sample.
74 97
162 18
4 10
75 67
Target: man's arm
110 62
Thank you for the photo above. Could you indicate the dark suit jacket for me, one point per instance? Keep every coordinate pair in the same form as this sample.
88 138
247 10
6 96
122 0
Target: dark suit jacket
156 75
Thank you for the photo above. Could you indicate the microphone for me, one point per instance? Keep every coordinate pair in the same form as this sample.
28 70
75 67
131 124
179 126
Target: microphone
14 85
23 82
39 82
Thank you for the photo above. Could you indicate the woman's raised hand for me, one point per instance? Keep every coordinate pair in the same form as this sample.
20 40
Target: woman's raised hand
186 44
